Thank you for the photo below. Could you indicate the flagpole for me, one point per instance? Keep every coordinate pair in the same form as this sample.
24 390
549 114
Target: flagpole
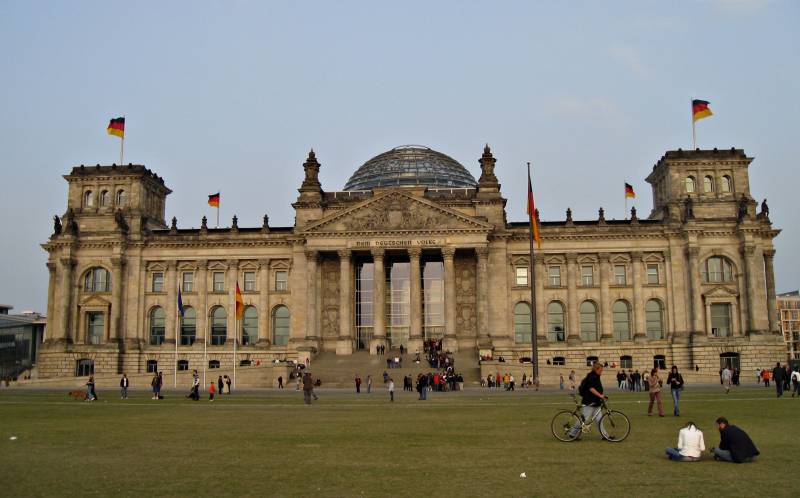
534 339
219 198
694 135
205 350
122 144
235 340
626 204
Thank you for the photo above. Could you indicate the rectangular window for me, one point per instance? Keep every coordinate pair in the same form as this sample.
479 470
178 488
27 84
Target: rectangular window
281 280
587 275
554 276
158 282
219 281
625 362
652 274
721 320
620 275
521 276
249 281
188 282
95 327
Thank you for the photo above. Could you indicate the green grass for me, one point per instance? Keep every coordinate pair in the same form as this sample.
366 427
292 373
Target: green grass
468 444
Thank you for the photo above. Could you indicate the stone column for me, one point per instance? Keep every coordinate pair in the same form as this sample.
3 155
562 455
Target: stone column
201 308
751 274
378 302
541 313
639 334
450 342
606 332
573 328
51 298
263 303
694 292
170 309
344 343
668 318
415 335
772 307
231 281
312 258
484 341
65 302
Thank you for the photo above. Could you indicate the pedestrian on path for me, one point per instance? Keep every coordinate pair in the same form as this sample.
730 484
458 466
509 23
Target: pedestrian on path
124 382
675 381
211 390
655 393
369 384
390 387
308 388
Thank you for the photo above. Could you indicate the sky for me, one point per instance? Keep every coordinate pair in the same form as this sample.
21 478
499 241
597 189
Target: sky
230 96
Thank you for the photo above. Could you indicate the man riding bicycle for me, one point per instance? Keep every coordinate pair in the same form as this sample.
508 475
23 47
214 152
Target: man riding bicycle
592 397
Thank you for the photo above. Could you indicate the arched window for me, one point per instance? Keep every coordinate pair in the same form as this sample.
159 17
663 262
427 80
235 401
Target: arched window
88 199
654 316
588 312
718 269
708 184
727 184
188 327
522 323
249 325
97 279
104 198
622 321
689 184
280 326
219 326
122 198
556 330
157 317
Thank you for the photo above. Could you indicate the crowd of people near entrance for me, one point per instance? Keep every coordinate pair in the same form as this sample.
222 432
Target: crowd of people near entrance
508 382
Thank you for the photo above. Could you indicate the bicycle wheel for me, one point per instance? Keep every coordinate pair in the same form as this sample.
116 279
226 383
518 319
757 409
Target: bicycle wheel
562 425
615 426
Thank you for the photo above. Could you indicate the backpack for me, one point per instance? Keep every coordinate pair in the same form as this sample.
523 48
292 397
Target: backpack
583 389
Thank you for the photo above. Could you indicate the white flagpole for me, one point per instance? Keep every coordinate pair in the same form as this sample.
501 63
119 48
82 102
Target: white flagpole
219 200
694 135
626 203
122 144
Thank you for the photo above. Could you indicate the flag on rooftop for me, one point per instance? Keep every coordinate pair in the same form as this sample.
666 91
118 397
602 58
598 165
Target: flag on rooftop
116 127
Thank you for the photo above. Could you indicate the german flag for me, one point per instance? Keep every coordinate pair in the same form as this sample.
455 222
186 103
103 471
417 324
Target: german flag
700 110
629 193
532 212
239 303
116 127
213 200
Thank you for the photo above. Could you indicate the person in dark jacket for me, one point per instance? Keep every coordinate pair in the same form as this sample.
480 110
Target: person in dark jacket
220 386
734 444
778 377
675 383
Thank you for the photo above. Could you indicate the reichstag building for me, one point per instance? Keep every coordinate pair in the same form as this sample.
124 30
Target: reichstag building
413 248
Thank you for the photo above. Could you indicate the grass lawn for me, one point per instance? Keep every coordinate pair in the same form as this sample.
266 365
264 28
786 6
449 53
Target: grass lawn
473 443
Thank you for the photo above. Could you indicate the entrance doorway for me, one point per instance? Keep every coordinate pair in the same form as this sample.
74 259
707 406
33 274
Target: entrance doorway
363 338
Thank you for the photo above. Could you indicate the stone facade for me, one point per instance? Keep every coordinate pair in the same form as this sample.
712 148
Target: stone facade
693 284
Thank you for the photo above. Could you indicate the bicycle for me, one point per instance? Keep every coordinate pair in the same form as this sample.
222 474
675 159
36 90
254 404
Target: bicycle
614 426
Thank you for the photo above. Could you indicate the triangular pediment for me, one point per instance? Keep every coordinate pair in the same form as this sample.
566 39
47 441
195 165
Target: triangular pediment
95 301
397 211
720 291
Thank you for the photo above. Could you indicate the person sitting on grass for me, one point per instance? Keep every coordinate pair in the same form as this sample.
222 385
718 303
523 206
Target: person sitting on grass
691 445
734 444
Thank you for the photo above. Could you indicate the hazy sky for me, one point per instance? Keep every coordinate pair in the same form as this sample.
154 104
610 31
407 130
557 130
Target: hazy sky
231 95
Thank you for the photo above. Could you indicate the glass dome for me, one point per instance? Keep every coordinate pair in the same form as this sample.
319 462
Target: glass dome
411 165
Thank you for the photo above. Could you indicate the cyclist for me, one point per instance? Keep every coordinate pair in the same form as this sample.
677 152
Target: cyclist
592 397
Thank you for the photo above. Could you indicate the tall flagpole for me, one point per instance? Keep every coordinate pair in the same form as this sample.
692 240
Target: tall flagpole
626 204
694 135
122 144
534 339
219 200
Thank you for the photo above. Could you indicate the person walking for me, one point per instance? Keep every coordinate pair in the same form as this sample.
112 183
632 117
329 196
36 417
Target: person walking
280 382
220 385
308 387
211 390
561 381
91 395
154 385
778 374
358 384
691 445
727 379
369 384
796 382
124 383
572 380
228 384
655 394
422 386
390 387
195 393
675 382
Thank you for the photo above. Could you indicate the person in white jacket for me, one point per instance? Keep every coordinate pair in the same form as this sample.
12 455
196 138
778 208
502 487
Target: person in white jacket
690 445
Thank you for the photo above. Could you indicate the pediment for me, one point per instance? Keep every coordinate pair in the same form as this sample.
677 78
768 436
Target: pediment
248 265
720 291
587 258
217 265
156 266
519 260
620 258
187 265
554 260
397 211
95 301
280 264
654 258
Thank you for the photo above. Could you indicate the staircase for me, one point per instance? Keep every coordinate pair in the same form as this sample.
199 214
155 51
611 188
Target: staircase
339 371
